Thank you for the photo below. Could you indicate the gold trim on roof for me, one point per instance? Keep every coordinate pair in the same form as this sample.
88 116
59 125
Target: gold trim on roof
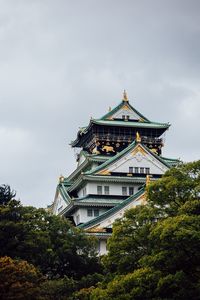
138 137
138 149
104 172
125 96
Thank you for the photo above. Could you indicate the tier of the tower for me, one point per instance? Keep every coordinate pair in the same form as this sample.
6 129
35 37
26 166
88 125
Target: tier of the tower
117 129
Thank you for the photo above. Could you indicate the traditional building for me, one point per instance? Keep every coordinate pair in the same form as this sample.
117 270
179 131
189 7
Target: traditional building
119 152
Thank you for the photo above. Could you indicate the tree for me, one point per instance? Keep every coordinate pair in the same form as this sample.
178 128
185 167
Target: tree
158 246
19 280
49 242
129 241
6 194
178 185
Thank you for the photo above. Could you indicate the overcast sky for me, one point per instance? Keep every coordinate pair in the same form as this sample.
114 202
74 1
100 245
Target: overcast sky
62 62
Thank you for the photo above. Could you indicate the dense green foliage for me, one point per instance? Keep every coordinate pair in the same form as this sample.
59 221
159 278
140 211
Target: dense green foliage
48 242
154 251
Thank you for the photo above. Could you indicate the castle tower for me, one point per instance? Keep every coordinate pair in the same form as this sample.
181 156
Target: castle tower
118 153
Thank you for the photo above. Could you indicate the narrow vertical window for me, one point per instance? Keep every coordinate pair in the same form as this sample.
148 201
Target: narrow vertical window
124 191
147 170
96 212
106 190
84 191
136 170
99 190
130 169
131 190
89 212
141 170
77 219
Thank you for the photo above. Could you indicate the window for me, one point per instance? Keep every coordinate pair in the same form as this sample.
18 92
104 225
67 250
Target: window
130 169
99 190
127 118
96 212
136 170
123 117
141 170
84 191
89 212
131 190
124 191
147 170
77 219
106 190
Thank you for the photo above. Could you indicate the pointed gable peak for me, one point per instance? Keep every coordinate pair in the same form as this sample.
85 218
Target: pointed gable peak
124 111
136 153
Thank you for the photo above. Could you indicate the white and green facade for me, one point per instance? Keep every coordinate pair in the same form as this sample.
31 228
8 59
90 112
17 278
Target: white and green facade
118 153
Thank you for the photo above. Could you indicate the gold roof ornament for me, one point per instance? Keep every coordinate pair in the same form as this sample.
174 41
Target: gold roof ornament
148 180
138 137
61 178
125 96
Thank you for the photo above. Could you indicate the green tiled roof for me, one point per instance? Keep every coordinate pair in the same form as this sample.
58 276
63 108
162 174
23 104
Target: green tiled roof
123 152
131 124
171 161
143 123
118 107
104 178
63 191
85 164
112 159
112 210
95 200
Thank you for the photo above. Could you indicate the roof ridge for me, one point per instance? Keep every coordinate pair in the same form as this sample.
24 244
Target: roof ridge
132 145
114 209
110 113
112 158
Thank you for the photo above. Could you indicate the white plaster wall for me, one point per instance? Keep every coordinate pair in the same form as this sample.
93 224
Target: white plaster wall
126 112
80 192
138 160
83 217
114 188
60 204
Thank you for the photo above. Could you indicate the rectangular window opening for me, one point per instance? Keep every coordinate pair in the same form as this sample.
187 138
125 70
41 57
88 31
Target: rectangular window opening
96 212
106 190
130 169
131 190
136 170
99 190
124 191
147 170
89 212
141 170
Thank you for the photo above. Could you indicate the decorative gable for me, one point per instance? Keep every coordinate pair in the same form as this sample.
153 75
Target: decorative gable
125 112
138 160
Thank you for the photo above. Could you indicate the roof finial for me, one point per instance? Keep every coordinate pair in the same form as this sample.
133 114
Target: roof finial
138 137
125 96
61 178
